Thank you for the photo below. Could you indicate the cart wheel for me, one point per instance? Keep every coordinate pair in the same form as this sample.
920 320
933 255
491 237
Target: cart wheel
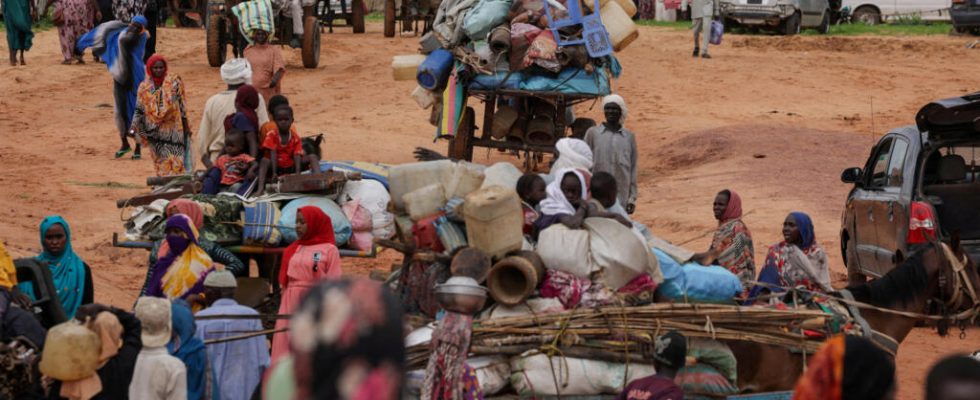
389 18
357 15
311 42
217 40
461 145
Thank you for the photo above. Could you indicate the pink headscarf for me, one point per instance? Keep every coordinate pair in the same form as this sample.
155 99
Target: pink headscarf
188 208
734 208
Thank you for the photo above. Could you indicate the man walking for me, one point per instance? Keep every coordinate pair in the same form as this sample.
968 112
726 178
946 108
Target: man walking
702 12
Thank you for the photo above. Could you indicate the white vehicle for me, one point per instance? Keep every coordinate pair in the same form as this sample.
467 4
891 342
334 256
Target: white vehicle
877 11
785 16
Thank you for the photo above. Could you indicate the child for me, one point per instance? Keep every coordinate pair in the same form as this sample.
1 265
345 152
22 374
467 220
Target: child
283 148
157 374
267 63
531 189
604 189
232 168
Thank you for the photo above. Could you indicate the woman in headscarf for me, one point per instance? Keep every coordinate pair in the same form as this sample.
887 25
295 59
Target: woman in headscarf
346 342
572 153
18 15
191 351
72 278
78 17
120 46
566 201
246 117
308 260
160 119
182 264
217 253
731 246
797 260
847 368
119 332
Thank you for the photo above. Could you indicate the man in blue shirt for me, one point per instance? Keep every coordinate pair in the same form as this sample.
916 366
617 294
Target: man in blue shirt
238 364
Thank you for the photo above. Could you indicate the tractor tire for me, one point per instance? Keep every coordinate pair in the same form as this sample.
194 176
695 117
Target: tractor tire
867 15
460 145
389 18
311 42
357 15
217 42
791 26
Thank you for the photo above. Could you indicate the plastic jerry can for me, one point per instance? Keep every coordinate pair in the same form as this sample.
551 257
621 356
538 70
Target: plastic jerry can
424 201
622 30
405 178
494 220
628 6
463 180
404 67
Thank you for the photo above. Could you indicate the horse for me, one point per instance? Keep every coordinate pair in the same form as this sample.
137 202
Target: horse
929 278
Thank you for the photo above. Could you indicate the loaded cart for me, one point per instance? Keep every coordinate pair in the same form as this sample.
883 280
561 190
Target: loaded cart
350 11
225 17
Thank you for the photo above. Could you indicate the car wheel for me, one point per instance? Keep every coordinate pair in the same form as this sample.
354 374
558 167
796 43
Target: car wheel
824 27
791 26
867 15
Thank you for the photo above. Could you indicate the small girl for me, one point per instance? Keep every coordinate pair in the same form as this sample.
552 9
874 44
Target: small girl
283 148
233 169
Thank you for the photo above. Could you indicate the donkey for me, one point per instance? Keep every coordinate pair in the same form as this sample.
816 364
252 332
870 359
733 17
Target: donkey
927 277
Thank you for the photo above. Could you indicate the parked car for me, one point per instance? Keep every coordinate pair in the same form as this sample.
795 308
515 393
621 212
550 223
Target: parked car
876 11
921 182
786 16
966 16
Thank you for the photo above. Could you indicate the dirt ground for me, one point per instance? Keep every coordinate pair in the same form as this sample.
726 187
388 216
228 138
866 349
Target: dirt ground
775 119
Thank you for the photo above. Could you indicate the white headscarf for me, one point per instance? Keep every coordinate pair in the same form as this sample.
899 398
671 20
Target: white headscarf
573 153
617 100
556 203
236 71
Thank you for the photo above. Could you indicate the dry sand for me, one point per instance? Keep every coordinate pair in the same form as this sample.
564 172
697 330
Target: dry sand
776 119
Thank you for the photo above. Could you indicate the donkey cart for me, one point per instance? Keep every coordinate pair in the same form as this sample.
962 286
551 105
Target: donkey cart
223 31
409 13
349 11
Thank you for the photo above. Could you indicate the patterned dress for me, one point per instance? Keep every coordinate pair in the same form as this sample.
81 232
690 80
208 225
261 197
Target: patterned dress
733 243
79 18
158 120
125 10
798 267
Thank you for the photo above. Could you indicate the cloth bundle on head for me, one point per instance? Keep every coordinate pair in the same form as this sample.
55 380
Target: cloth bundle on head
8 273
236 71
221 279
182 264
107 327
255 15
573 153
617 100
157 80
319 230
347 342
556 203
805 225
733 210
188 207
847 367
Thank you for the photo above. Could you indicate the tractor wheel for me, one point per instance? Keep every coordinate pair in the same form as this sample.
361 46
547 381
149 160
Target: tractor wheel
389 18
460 146
216 40
311 42
357 15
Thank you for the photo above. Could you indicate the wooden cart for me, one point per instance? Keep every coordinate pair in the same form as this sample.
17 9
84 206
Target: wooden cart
188 13
349 11
461 145
223 32
410 13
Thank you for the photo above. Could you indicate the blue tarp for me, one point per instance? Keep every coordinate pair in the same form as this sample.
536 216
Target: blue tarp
695 283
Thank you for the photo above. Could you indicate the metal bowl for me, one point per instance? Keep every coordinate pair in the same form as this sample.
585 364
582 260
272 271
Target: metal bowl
461 294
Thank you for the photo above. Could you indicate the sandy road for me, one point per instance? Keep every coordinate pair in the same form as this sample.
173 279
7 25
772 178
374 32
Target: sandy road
773 118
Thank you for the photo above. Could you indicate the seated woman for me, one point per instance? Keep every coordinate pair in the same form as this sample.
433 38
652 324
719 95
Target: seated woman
180 270
217 253
71 276
798 260
732 245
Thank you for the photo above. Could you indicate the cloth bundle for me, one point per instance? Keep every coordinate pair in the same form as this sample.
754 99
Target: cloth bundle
255 15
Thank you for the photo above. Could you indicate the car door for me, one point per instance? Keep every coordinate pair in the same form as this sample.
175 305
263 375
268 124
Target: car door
865 222
891 208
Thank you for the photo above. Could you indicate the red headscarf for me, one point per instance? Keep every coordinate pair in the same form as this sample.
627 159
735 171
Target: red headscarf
246 101
157 81
319 230
734 208
188 208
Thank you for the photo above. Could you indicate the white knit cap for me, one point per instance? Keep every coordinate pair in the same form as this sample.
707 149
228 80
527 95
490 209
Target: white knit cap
220 279
154 316
236 71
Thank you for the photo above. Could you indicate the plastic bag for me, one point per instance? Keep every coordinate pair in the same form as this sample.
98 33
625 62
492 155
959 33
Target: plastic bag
717 30
359 216
566 250
543 51
483 17
341 226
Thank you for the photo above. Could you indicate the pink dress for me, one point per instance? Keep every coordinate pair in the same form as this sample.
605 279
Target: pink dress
301 277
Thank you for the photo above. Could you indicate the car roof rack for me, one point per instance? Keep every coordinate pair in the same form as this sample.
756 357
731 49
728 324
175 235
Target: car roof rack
952 118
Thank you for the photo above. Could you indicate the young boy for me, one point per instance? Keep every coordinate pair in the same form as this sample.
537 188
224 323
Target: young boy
267 63
670 355
603 189
283 148
531 190
157 375
232 168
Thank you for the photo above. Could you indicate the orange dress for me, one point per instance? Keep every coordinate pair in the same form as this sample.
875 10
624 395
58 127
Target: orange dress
265 60
309 265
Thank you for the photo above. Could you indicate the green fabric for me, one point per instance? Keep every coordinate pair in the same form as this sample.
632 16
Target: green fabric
17 21
216 229
281 383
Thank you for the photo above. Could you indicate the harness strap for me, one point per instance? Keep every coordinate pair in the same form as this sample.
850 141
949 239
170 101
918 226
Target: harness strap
883 341
961 280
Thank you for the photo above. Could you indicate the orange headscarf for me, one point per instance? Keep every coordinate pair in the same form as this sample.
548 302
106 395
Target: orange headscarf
824 378
189 208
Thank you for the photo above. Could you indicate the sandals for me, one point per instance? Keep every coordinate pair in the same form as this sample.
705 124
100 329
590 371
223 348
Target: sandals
123 152
137 156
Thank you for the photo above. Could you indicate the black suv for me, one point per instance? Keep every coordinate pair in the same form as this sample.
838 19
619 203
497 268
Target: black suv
921 182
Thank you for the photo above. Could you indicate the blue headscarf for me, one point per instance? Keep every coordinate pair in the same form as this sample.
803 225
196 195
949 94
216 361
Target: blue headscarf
67 269
104 41
805 225
190 350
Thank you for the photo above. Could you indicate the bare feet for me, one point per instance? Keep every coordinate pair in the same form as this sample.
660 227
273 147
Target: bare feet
66 62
